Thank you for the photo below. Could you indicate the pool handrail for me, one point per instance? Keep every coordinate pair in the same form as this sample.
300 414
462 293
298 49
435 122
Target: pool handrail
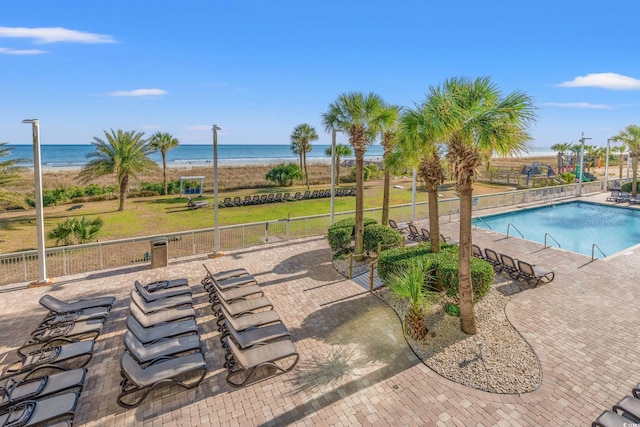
593 247
480 218
516 228
552 238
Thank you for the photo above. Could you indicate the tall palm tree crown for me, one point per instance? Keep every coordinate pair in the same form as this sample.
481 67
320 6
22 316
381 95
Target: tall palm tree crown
474 119
124 154
341 151
630 137
163 142
361 117
301 138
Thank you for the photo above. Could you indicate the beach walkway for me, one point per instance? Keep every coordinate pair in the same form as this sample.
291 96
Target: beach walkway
355 366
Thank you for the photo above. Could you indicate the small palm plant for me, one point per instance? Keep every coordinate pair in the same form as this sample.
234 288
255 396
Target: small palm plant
409 284
76 230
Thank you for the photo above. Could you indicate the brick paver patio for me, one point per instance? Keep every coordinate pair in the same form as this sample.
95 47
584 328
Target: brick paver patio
355 367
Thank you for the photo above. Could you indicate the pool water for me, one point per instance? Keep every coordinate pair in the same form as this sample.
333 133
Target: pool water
575 225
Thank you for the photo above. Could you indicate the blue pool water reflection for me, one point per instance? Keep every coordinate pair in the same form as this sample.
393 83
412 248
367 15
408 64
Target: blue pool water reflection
575 225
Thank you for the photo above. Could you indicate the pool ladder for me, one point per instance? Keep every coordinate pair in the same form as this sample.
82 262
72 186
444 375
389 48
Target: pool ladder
545 240
480 219
515 228
593 248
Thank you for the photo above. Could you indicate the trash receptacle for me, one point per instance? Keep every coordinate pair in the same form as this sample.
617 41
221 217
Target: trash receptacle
159 252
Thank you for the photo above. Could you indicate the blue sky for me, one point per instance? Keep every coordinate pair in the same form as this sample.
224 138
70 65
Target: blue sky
259 68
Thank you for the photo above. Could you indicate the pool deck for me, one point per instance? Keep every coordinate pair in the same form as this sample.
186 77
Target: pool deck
355 367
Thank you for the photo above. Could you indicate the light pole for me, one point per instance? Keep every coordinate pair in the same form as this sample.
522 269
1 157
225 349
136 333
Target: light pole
37 176
216 228
606 165
333 174
582 140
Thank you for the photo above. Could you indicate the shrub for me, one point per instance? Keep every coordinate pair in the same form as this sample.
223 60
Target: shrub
284 175
374 171
444 267
341 233
378 233
568 177
626 187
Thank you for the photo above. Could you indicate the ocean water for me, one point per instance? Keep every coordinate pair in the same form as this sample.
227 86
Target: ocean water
75 155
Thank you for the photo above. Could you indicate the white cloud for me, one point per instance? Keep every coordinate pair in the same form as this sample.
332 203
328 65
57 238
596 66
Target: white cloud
139 92
611 81
582 105
9 51
45 35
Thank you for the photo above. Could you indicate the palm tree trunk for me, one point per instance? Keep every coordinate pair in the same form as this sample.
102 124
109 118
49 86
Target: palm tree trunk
467 315
385 196
359 229
164 172
306 175
124 183
434 218
337 170
634 171
300 155
620 167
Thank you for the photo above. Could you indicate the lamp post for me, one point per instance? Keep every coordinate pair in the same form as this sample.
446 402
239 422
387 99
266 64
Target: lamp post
37 175
333 175
606 165
582 140
216 228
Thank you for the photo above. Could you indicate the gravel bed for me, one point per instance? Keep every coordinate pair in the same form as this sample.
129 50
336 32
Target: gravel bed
497 359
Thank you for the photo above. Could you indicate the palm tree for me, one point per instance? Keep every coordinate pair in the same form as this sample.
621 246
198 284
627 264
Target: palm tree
361 117
630 137
388 140
124 154
472 118
82 229
562 148
301 137
418 146
297 149
341 151
9 176
619 150
409 285
163 142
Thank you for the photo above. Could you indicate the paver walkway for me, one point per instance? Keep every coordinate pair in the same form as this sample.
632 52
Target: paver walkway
355 367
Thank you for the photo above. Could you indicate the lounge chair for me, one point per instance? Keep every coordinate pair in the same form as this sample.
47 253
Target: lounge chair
164 284
161 372
197 204
276 358
270 198
263 198
227 274
535 275
158 332
493 258
166 347
161 293
17 390
448 240
623 197
246 201
74 316
611 419
256 336
56 306
62 332
613 196
149 320
297 196
160 304
400 229
241 307
477 252
247 321
510 266
634 200
628 407
237 201
57 358
306 195
278 197
40 412
425 236
413 233
286 197
255 200
232 282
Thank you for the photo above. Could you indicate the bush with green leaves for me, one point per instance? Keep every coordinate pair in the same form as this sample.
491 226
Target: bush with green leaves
342 232
76 230
626 187
284 175
374 171
444 267
568 177
377 233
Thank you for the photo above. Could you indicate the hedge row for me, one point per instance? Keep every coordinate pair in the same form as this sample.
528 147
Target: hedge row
444 268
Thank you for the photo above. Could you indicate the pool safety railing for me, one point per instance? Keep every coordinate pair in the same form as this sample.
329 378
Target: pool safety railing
515 228
593 248
545 240
479 218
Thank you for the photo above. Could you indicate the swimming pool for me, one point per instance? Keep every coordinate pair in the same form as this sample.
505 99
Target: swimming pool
575 225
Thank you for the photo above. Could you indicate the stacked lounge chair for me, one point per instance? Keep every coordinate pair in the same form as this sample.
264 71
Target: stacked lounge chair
162 343
43 387
624 413
516 269
258 345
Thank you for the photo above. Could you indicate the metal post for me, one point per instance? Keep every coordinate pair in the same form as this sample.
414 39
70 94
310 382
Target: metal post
37 175
581 177
606 165
413 196
333 174
216 227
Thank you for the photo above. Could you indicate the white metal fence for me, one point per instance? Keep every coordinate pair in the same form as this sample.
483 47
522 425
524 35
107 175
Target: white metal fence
23 266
